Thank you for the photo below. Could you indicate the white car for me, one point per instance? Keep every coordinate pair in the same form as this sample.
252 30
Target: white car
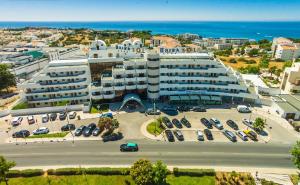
200 135
30 119
242 135
72 115
42 130
248 123
16 121
243 109
45 118
216 123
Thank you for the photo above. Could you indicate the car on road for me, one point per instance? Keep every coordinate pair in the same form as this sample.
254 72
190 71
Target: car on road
53 116
68 127
30 119
16 121
113 137
89 130
215 122
242 135
45 118
250 134
152 111
79 130
243 109
72 115
178 134
206 123
62 115
208 134
129 147
200 135
96 131
185 122
248 122
42 130
183 108
198 109
169 135
232 124
170 110
177 123
230 135
21 134
167 122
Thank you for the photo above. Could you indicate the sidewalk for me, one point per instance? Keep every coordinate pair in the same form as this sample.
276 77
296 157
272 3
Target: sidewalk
281 179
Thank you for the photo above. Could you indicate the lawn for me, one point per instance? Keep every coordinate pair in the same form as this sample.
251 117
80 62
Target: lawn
294 178
103 108
52 135
155 128
104 180
22 105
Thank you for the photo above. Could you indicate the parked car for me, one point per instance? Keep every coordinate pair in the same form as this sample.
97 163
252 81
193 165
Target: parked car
250 134
68 127
152 111
185 122
167 122
208 134
248 123
216 123
232 124
89 129
62 115
113 137
169 135
21 134
243 109
242 135
170 110
53 116
177 123
129 147
78 131
178 135
45 118
42 130
198 109
16 121
183 108
30 119
72 115
200 135
230 135
206 123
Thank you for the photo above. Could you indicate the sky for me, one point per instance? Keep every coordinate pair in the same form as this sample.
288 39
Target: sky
147 10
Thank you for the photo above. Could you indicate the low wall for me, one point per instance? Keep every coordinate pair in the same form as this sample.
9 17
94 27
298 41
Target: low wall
44 110
8 100
4 113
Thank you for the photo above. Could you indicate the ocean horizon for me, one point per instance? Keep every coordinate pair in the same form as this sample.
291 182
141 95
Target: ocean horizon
238 29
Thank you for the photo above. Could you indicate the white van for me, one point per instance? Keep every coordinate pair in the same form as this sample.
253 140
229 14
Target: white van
243 109
16 121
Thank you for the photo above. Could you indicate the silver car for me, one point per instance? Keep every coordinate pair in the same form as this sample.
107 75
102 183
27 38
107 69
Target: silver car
42 130
242 135
200 135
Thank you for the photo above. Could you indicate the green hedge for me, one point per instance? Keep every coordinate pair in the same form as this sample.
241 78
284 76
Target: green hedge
25 173
194 172
89 171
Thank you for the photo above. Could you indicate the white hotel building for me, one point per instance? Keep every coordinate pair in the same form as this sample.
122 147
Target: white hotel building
110 73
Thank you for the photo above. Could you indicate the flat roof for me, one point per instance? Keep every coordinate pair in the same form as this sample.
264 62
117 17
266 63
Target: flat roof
286 107
255 80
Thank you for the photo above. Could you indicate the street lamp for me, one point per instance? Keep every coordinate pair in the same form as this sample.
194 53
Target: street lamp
68 120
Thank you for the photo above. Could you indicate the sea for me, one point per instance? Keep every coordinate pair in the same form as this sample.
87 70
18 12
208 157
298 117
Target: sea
214 29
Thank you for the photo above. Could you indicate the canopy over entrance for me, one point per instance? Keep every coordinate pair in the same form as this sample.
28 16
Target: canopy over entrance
132 97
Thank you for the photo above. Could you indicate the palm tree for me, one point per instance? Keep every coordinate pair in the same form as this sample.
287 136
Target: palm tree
4 168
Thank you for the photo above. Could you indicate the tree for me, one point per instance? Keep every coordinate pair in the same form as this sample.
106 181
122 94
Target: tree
160 173
4 168
253 52
7 79
278 72
104 123
142 172
272 70
259 124
295 152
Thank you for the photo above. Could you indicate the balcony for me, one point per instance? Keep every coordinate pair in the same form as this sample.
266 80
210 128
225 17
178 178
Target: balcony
119 88
143 71
130 86
108 96
66 75
130 79
141 86
61 83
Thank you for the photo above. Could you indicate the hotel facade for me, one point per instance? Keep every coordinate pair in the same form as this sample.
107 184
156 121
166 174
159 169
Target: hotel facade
110 73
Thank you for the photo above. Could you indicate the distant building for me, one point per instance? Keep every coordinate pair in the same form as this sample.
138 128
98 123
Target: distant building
291 79
166 44
222 46
189 36
285 49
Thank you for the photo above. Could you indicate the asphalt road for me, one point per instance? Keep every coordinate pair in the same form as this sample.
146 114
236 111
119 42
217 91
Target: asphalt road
252 155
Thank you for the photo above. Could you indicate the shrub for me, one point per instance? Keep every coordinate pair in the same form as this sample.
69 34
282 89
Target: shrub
25 173
194 172
68 171
232 60
89 171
